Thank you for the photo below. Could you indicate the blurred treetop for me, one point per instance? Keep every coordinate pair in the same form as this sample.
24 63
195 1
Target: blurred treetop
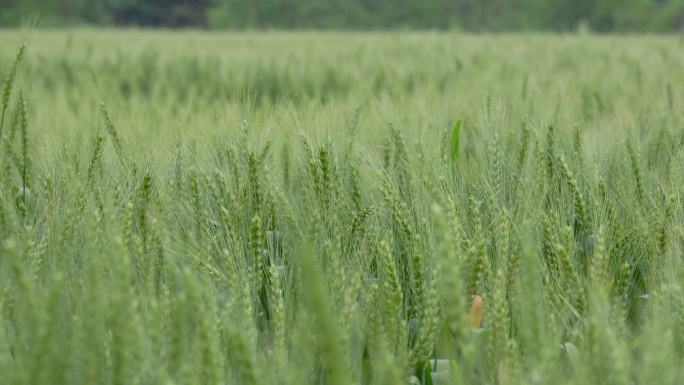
470 15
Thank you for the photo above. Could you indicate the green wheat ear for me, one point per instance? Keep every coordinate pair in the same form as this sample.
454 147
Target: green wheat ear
9 83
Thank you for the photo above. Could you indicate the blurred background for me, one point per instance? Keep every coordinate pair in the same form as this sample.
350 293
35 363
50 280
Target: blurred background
468 15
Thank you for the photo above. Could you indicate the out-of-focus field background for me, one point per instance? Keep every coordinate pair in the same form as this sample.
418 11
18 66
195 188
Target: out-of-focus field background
183 207
173 85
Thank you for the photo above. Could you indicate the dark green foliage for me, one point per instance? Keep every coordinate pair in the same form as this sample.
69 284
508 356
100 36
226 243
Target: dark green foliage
472 15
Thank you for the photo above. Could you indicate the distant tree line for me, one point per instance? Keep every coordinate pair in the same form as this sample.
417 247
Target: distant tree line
471 15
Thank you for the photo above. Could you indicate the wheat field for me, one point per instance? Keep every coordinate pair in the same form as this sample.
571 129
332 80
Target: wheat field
325 208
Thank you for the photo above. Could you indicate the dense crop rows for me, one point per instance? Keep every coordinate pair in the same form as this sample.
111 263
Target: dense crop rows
322 208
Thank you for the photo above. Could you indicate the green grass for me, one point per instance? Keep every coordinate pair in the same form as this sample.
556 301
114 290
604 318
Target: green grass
320 208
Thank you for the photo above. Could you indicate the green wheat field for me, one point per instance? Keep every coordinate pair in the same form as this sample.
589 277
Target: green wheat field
324 207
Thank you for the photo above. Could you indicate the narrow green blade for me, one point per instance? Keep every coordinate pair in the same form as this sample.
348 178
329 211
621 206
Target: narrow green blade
455 140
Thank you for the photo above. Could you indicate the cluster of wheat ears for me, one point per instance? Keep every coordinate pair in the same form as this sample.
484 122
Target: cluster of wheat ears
489 257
